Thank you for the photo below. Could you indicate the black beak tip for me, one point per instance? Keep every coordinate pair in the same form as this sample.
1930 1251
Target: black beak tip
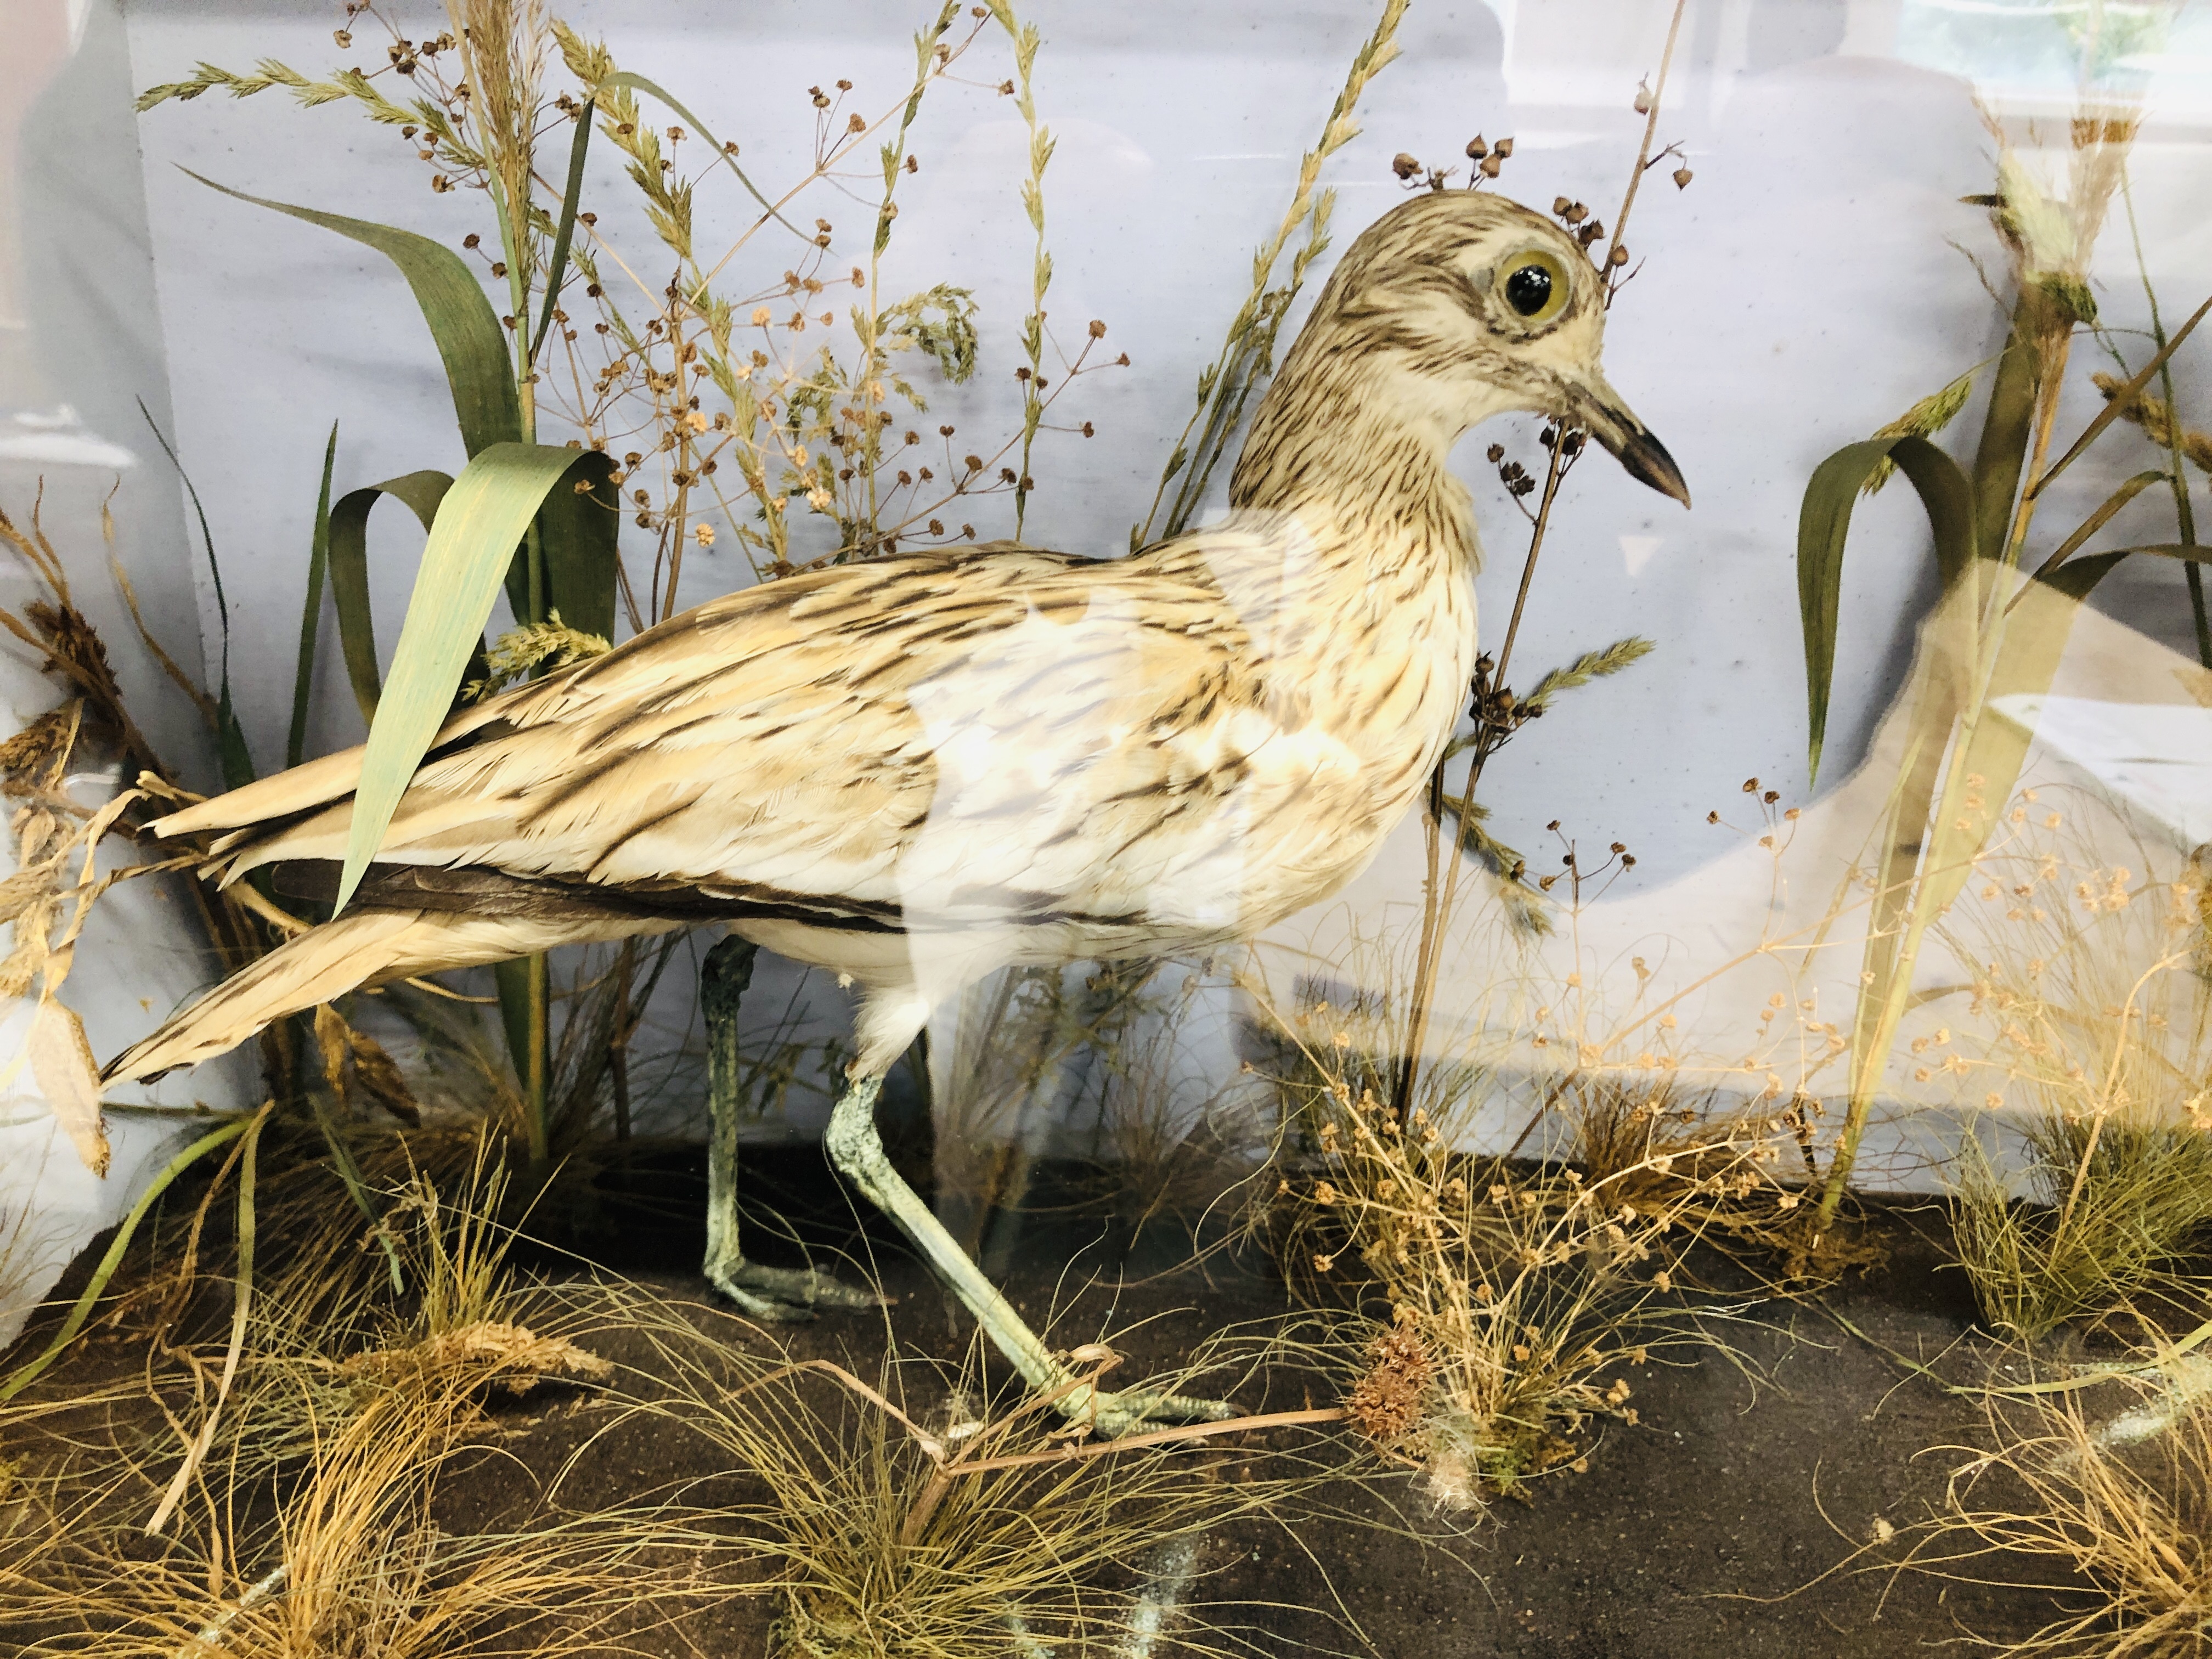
1647 461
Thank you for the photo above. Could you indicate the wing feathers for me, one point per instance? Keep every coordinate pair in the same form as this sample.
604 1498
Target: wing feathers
367 948
870 735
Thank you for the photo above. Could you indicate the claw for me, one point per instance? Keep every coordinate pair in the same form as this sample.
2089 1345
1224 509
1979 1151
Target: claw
788 1294
767 1309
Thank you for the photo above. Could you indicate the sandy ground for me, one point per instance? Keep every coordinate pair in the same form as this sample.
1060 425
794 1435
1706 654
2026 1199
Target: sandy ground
1710 1527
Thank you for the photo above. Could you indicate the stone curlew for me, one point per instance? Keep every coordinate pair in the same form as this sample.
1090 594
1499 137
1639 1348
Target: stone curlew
915 770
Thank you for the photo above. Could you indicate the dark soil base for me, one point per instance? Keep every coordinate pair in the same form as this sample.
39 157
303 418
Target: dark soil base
1704 1530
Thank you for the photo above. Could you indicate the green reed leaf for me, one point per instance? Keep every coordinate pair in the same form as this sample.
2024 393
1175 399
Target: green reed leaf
471 546
556 267
2007 426
2078 577
578 529
235 759
1824 521
311 614
349 568
2097 520
469 340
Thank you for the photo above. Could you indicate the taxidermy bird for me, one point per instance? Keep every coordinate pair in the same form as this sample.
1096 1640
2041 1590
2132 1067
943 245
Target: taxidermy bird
915 770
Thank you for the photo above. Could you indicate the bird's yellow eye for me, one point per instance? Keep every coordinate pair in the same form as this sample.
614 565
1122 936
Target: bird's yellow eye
1535 284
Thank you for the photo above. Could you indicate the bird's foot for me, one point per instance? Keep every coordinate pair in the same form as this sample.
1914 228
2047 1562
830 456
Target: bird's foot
787 1295
1133 1411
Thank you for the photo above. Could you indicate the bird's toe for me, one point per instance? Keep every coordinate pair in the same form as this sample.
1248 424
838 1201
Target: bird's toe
790 1295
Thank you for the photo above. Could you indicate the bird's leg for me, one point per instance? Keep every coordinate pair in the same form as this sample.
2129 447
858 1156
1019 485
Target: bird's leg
765 1293
857 1150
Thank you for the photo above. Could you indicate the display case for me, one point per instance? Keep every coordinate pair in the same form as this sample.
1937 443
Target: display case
745 738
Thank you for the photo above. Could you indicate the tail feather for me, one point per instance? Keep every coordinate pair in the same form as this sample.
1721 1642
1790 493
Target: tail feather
368 948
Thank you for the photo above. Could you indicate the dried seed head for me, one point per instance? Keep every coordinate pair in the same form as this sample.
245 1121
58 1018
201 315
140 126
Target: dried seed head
1404 166
1476 149
1619 257
1390 1401
1493 163
1097 329
1682 177
1503 149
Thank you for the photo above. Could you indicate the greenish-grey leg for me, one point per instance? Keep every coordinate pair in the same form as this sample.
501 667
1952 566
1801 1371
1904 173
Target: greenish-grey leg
771 1293
857 1149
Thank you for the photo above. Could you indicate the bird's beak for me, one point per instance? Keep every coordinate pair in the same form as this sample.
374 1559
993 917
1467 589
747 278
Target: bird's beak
1610 421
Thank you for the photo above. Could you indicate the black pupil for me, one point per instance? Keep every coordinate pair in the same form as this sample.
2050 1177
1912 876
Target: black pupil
1529 289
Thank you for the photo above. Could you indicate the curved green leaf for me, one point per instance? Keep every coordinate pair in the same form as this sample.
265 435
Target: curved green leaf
471 546
557 266
578 529
2007 428
349 568
231 752
469 337
1824 522
311 614
2096 521
2078 576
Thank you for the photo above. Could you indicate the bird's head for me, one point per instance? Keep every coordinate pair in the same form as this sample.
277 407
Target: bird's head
1459 305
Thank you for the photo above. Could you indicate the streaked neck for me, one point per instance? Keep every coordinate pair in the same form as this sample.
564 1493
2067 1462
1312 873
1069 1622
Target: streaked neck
1331 447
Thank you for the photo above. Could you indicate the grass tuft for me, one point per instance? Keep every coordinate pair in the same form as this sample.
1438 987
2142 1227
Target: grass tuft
2117 1526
